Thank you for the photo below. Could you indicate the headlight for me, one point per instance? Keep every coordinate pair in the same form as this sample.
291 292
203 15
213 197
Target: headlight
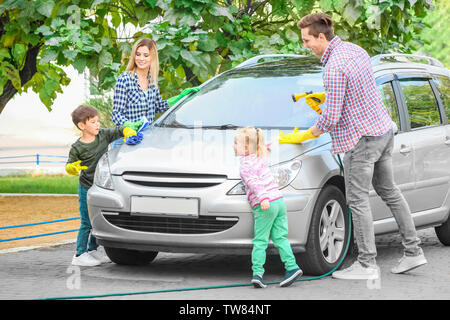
238 189
283 173
102 176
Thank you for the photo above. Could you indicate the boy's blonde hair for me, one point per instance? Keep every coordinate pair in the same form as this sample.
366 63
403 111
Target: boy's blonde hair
254 138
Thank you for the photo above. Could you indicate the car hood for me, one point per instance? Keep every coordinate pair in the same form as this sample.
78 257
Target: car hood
196 151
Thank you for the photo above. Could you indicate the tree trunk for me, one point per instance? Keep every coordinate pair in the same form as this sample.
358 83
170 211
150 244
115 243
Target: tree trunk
26 74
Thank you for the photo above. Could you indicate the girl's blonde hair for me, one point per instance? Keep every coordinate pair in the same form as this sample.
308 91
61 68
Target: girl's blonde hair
254 138
154 64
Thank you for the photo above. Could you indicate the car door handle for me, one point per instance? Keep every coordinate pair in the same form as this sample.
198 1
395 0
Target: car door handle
405 149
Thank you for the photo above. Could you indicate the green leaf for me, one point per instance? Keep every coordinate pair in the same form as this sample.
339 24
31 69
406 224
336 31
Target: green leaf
80 63
12 74
19 53
45 30
4 53
49 55
190 57
31 38
291 36
189 39
351 14
339 5
151 3
207 44
326 5
141 15
218 11
173 52
105 58
115 19
70 54
45 7
180 72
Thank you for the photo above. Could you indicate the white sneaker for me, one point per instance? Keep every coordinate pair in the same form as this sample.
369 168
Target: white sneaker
357 272
85 260
408 263
99 255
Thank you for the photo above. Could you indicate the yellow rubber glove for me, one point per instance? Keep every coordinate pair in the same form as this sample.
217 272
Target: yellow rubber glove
74 168
128 132
314 100
295 136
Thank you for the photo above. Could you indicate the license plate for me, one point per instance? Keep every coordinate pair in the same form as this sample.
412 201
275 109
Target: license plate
165 205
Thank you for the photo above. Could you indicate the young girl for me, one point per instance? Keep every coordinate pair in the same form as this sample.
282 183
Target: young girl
268 206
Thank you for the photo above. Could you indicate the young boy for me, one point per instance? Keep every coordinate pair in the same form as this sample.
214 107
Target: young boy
83 157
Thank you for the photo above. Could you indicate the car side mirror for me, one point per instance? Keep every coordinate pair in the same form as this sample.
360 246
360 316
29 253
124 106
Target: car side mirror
394 127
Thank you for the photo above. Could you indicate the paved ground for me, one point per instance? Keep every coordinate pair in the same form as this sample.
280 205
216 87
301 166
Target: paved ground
46 272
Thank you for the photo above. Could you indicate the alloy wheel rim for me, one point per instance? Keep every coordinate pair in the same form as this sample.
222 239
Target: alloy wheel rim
332 231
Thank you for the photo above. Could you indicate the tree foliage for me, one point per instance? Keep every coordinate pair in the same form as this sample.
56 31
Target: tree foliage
433 40
196 38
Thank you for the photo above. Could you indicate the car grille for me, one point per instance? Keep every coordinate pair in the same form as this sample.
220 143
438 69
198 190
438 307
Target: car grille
177 180
200 225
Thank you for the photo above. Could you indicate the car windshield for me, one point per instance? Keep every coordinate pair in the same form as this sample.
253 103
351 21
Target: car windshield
260 96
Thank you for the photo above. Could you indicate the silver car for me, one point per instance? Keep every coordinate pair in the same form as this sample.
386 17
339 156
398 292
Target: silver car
180 189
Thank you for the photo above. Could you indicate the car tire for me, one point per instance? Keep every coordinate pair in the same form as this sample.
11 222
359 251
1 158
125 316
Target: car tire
443 232
130 257
334 235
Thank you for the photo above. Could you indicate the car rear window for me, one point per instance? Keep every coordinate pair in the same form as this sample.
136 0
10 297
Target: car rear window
421 103
260 96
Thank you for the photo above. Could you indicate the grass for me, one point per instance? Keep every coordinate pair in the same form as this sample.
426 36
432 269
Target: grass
39 184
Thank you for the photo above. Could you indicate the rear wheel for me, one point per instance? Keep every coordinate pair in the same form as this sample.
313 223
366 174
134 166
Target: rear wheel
328 234
130 257
443 232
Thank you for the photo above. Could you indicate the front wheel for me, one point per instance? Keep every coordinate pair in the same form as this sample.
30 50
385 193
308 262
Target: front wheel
443 232
328 234
130 257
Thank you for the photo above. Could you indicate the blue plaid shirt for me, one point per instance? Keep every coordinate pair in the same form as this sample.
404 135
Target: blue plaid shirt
131 103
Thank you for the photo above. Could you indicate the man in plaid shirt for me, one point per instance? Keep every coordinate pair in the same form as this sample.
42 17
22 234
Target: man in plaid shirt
360 127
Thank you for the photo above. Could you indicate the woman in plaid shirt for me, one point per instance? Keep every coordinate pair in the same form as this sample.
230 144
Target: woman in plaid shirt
136 92
360 127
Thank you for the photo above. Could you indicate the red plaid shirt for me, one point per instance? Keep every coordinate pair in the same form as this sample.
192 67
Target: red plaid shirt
353 102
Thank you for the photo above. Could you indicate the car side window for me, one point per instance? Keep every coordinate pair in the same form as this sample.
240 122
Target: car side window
421 103
443 85
387 94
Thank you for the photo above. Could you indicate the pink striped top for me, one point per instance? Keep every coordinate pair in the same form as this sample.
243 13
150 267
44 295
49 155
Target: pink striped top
258 180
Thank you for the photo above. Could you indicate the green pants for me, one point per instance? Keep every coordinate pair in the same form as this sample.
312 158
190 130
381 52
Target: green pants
271 223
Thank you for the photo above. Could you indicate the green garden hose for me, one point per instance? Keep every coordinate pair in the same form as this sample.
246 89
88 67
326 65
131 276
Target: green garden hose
221 286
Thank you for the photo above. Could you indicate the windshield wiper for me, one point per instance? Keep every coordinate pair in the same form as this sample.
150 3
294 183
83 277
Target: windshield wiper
222 127
175 124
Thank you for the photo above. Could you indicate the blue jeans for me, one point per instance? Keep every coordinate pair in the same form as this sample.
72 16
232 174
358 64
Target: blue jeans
85 240
370 162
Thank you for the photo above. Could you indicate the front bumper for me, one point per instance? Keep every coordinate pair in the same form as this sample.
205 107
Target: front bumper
110 216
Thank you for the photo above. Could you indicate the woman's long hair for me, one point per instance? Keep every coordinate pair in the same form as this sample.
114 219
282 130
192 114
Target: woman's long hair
154 63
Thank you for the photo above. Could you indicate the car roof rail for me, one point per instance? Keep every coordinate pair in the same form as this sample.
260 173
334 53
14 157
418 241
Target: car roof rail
405 58
256 59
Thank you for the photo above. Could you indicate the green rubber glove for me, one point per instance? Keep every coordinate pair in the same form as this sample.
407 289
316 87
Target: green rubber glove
295 136
185 92
134 125
74 168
